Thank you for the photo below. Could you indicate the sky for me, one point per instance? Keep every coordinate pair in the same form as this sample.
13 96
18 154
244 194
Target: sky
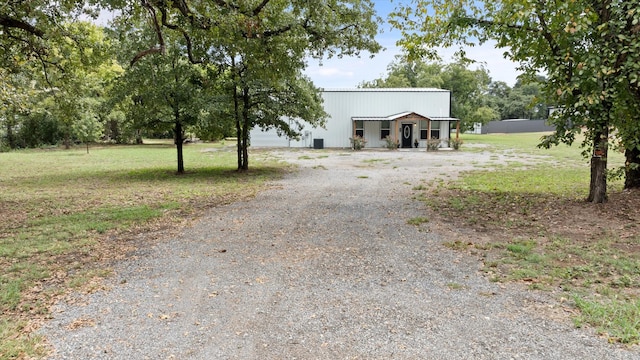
349 72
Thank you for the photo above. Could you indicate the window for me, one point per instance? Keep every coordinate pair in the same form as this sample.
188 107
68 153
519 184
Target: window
360 128
385 129
435 129
423 129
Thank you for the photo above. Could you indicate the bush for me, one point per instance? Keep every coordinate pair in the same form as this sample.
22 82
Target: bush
390 144
433 144
455 143
357 142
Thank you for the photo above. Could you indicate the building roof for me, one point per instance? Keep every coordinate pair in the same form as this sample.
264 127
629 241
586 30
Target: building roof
443 118
384 90
400 115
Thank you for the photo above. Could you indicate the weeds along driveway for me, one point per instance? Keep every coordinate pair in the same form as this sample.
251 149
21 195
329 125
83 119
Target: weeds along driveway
322 266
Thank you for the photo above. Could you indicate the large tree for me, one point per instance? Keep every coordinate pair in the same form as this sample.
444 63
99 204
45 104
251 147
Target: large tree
65 87
523 101
588 50
163 93
264 44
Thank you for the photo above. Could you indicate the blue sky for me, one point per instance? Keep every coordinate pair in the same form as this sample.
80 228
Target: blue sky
348 72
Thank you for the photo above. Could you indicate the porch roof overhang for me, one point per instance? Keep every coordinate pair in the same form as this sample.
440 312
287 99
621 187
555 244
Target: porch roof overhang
444 119
401 115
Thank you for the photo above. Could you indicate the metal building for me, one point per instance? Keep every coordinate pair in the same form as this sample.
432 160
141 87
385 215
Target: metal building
404 115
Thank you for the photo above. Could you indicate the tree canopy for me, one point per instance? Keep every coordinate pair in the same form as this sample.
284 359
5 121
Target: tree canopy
263 44
471 100
587 49
251 53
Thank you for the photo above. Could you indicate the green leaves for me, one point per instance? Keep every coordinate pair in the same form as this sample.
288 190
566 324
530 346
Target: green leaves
589 51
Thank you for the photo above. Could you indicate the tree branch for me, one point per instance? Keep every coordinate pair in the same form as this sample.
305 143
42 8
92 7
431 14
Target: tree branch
19 24
259 8
186 36
161 46
141 54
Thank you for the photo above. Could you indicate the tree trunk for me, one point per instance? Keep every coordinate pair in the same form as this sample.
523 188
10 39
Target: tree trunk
179 140
245 129
598 185
11 140
632 168
236 110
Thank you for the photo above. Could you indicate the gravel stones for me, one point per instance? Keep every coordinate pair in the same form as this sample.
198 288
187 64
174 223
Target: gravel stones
323 266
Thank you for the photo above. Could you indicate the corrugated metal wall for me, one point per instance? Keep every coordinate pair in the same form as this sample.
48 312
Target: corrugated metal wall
516 126
342 105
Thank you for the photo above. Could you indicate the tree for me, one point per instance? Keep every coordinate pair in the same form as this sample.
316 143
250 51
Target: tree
14 98
266 43
88 128
403 73
74 74
587 48
163 93
469 88
523 101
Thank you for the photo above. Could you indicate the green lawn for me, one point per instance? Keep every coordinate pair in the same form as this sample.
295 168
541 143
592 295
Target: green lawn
65 211
541 232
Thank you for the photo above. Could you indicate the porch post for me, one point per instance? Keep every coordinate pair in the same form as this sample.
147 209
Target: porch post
428 129
353 132
397 131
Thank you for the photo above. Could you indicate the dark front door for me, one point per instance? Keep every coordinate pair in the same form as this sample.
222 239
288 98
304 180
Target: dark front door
407 135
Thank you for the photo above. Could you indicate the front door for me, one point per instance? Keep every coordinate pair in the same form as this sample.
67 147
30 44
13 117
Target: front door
407 135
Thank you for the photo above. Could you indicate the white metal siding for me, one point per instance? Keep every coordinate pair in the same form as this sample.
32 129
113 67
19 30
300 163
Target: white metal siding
342 105
372 134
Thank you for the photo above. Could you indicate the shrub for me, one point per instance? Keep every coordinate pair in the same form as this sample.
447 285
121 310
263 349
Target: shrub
390 144
455 143
357 142
433 144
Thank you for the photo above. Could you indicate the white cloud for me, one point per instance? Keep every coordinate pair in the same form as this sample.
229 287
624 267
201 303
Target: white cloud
492 58
330 72
348 72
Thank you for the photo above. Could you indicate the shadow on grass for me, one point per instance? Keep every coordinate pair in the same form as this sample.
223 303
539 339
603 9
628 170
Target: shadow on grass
208 173
159 175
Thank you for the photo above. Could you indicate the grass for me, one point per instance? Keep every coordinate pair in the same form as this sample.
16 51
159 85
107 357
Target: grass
372 161
417 221
64 212
455 286
534 214
615 319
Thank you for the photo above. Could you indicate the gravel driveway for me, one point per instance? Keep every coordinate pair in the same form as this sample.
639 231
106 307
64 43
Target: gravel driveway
322 266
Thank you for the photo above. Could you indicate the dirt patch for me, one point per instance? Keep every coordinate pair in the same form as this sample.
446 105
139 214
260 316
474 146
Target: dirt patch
573 219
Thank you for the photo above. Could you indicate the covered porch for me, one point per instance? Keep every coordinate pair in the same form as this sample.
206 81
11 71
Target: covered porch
407 129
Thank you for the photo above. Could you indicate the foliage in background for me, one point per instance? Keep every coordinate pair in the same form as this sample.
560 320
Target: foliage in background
588 50
469 88
475 98
48 102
